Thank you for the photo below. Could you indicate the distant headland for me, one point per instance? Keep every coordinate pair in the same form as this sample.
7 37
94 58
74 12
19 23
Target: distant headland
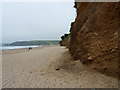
33 42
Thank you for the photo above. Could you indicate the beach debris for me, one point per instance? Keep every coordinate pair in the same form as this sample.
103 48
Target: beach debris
77 78
57 69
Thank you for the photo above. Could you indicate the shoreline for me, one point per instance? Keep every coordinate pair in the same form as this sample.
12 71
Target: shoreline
28 47
20 50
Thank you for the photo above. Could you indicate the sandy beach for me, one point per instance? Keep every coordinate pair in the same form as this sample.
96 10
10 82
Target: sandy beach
49 67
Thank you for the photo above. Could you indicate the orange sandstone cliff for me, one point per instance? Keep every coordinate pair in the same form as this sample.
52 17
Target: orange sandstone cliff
94 36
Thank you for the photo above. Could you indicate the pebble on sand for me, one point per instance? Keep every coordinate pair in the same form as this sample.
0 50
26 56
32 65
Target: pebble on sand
57 69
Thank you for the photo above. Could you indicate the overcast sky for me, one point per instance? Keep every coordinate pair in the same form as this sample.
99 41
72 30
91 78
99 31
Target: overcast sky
36 21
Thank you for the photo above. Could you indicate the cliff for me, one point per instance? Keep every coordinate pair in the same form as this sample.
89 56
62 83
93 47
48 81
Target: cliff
65 40
94 36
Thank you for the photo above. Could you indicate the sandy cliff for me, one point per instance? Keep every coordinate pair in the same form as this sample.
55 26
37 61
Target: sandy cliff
94 36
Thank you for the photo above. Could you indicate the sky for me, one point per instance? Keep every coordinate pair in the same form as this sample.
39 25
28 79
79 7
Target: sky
22 21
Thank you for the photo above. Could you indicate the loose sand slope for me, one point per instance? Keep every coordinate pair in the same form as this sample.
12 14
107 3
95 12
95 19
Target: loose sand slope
37 68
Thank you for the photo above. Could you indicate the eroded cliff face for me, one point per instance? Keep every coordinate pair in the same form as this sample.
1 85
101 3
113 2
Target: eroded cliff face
94 36
65 40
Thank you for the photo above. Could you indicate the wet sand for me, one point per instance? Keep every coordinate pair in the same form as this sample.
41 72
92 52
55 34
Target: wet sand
49 67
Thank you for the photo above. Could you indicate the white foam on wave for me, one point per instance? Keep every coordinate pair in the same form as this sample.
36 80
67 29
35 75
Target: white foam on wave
16 47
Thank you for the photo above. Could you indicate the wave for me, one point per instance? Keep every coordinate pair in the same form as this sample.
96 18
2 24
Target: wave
16 47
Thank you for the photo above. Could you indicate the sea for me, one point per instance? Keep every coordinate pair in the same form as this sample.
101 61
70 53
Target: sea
16 47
